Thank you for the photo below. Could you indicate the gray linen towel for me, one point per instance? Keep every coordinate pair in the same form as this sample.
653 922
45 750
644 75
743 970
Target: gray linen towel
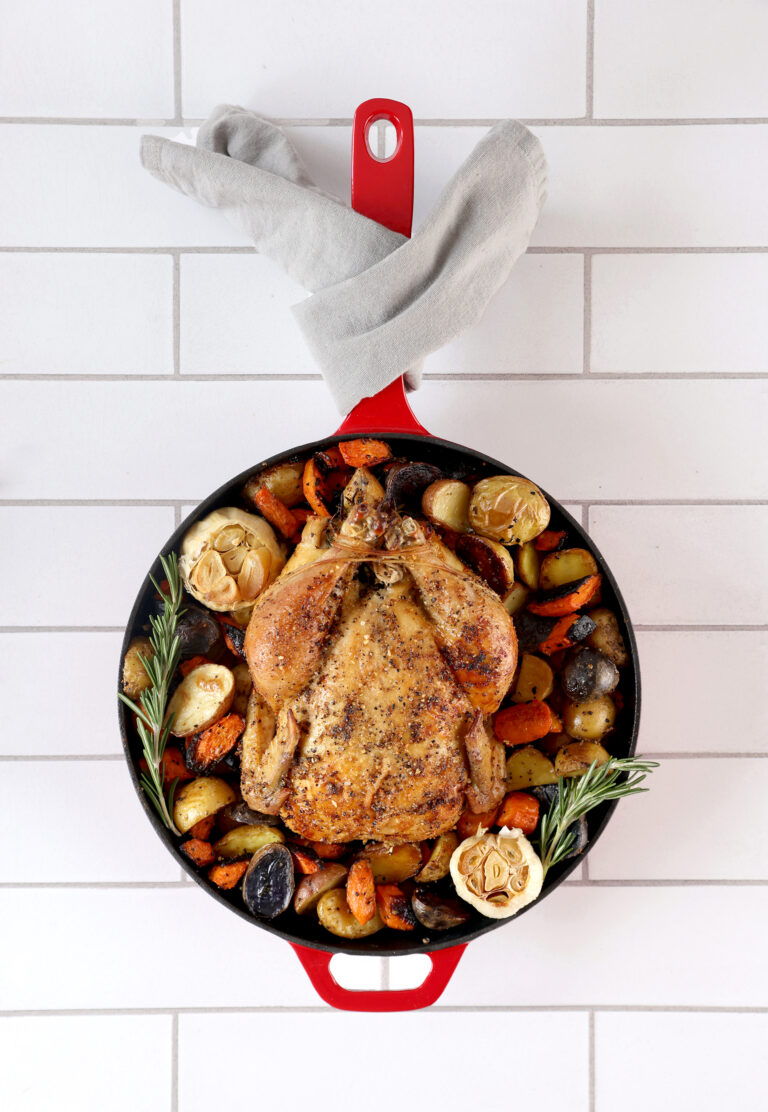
380 303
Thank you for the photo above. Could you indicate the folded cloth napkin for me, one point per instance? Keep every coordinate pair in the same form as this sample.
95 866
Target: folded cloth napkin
380 303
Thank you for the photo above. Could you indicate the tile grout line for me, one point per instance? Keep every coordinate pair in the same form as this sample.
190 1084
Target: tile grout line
309 1009
607 882
586 368
174 1062
176 314
242 249
421 121
591 1060
638 627
589 98
161 503
177 106
671 755
429 376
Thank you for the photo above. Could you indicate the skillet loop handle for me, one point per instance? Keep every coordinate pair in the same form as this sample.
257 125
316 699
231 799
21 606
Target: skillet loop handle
383 191
317 967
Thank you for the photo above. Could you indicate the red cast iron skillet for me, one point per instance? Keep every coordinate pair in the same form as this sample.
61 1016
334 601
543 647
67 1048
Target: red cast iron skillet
384 192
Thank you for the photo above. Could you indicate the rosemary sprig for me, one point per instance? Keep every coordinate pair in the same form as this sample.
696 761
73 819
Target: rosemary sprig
577 795
150 710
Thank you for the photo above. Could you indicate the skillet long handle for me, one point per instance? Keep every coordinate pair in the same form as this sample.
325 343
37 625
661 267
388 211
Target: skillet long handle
383 191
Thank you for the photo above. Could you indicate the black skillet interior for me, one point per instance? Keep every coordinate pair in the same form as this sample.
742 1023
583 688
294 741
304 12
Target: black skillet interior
458 462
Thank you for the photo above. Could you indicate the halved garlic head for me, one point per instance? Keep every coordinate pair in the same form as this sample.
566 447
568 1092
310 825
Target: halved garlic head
497 873
229 557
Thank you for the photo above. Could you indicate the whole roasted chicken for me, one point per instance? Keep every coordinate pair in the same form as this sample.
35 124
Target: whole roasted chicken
377 658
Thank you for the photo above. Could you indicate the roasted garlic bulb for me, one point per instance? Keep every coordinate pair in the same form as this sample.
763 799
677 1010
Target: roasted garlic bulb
229 558
509 509
497 873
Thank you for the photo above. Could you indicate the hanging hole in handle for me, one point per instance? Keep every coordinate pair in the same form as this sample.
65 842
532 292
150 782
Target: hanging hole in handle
382 138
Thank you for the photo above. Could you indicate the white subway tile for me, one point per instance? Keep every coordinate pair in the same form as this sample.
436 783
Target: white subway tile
86 314
666 58
687 565
86 1062
520 1045
82 565
683 313
695 1061
87 824
689 680
645 946
678 830
580 439
236 318
86 58
525 61
98 955
42 670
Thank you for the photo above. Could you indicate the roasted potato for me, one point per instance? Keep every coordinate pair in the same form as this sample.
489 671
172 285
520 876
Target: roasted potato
509 509
200 798
269 882
489 559
283 480
438 913
588 673
333 912
606 637
199 633
515 598
566 566
392 864
527 564
527 767
576 757
439 860
446 502
135 678
243 687
203 696
535 679
407 481
590 719
312 887
245 840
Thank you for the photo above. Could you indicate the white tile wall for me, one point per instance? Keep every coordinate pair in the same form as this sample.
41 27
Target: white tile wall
86 314
687 314
81 1058
681 60
523 60
611 368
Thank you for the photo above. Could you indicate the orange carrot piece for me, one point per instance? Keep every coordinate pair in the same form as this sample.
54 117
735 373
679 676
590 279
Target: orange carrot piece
395 908
559 636
312 486
523 723
364 452
549 541
559 607
470 822
203 829
519 809
330 458
207 748
302 516
275 511
306 863
199 852
188 666
361 892
228 874
329 851
174 766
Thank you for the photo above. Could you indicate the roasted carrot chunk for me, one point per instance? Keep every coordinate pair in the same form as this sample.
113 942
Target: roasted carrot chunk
364 452
276 512
329 851
302 516
583 592
305 861
203 829
566 632
549 541
234 635
207 748
361 892
174 767
519 809
227 874
394 907
470 823
199 852
312 484
523 723
188 666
